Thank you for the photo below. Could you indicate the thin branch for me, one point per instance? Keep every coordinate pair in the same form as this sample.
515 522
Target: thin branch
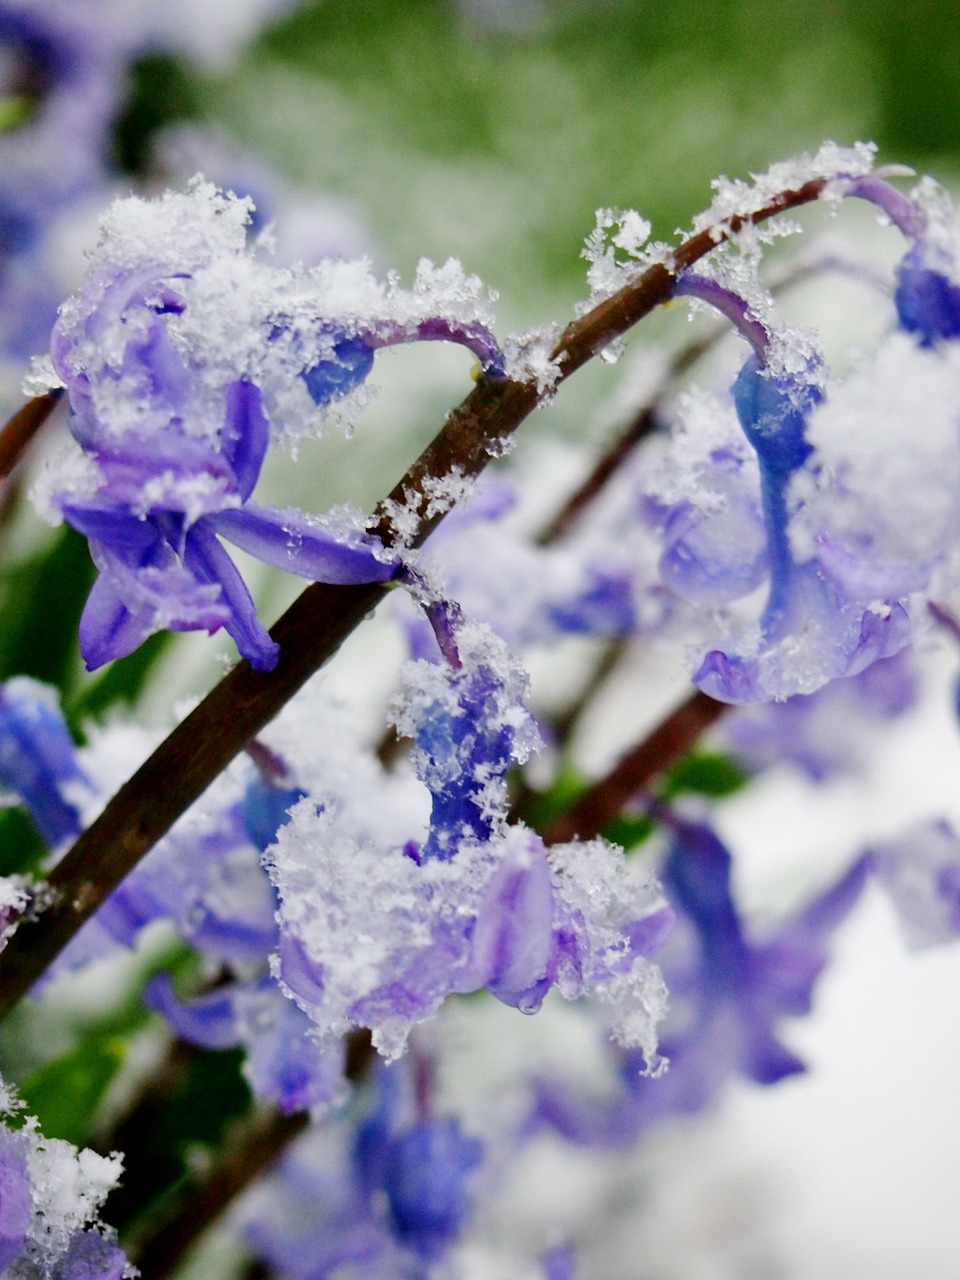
255 1147
19 430
647 418
669 742
252 1152
315 626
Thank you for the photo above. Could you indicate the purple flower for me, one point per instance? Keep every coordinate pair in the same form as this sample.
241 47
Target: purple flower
927 294
16 1201
920 871
185 357
425 1182
729 992
91 1256
371 938
38 760
809 632
283 1062
828 732
469 723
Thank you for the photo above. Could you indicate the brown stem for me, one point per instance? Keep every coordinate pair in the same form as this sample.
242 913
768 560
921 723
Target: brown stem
669 742
314 627
646 419
19 430
643 424
254 1149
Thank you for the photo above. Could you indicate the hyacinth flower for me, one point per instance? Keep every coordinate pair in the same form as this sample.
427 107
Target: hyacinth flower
809 632
468 721
185 357
927 294
50 1194
825 734
381 1191
65 79
38 759
526 592
205 876
729 994
283 1063
379 937
874 511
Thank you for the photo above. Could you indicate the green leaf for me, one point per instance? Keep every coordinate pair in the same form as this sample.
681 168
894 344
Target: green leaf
42 599
15 111
21 849
549 804
703 773
122 681
65 1094
629 830
191 1105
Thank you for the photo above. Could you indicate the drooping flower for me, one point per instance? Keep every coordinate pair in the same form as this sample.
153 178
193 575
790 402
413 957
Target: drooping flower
468 721
827 733
283 1063
920 871
38 759
730 991
810 631
185 357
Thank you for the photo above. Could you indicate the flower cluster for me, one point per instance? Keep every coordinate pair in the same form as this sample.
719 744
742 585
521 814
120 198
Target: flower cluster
325 912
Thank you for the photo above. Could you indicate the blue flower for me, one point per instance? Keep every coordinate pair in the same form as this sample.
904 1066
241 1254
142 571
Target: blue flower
185 357
729 994
424 1179
809 631
284 1064
38 759
469 723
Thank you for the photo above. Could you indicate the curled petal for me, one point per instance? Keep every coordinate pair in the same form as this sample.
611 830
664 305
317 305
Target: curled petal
289 541
139 592
207 1020
513 943
205 557
246 434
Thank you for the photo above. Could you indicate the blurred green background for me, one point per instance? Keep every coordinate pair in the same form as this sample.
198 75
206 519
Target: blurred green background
493 130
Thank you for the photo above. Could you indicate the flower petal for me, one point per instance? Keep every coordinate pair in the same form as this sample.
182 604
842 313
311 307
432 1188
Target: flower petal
289 541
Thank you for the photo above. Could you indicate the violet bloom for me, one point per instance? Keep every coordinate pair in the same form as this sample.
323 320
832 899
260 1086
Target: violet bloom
827 733
185 357
50 1194
38 759
370 938
205 875
920 871
729 994
469 723
383 1197
284 1064
927 293
16 1202
809 632
425 1183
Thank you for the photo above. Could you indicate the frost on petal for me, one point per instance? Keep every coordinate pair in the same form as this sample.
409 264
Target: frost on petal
50 1196
602 904
876 512
385 939
468 725
811 630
